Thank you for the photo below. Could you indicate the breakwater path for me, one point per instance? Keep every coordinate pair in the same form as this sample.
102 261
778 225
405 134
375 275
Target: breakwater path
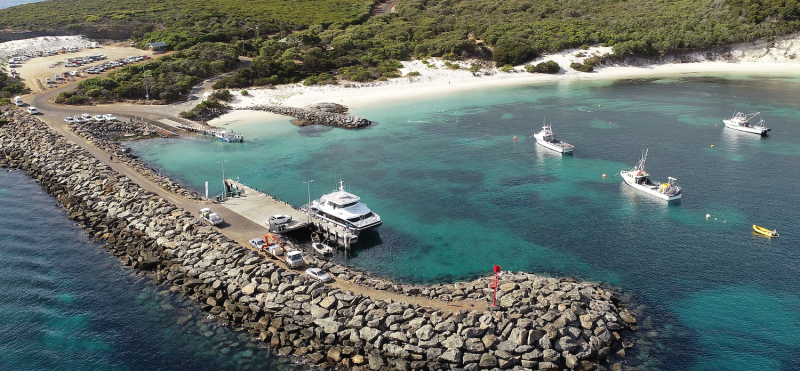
540 323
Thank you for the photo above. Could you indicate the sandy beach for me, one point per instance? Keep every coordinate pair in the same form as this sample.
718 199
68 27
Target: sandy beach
759 58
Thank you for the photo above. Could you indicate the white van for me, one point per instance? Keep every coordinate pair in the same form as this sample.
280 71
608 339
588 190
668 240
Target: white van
18 101
33 111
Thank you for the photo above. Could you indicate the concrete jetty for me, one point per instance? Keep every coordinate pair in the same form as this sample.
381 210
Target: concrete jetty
259 206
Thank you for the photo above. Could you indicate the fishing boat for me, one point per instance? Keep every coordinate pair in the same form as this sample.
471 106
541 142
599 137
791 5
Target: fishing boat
545 138
638 178
764 231
320 247
229 136
344 209
741 122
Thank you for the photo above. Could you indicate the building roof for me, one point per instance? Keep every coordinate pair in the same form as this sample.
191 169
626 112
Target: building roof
157 44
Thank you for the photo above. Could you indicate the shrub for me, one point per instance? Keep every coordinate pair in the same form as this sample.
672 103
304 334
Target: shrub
507 68
5 101
413 73
223 95
245 93
513 53
544 67
474 68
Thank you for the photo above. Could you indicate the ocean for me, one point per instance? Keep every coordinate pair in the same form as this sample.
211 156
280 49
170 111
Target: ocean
10 3
458 194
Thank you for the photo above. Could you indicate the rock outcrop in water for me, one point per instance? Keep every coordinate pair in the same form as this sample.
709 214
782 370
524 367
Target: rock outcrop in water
540 323
317 116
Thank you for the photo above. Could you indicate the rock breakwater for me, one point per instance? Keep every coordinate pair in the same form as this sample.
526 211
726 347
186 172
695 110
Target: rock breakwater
107 136
541 323
317 116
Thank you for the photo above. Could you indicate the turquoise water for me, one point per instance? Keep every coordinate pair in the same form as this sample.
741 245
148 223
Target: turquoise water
65 304
458 195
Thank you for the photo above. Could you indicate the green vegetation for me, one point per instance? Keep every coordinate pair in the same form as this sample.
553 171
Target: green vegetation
9 86
587 65
327 41
544 67
245 93
200 110
169 78
153 14
221 95
5 101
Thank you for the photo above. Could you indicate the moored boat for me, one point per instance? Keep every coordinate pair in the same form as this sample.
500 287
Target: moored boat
546 139
766 232
226 136
319 247
741 122
638 178
344 209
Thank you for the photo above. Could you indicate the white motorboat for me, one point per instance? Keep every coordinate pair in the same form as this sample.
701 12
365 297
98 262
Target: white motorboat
229 136
320 247
546 139
741 121
638 178
345 209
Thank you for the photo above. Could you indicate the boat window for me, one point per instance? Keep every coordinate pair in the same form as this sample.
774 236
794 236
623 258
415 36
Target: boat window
350 204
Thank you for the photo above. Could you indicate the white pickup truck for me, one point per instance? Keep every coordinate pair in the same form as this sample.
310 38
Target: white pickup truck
209 217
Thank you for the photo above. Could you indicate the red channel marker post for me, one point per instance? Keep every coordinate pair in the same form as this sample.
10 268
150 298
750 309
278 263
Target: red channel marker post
494 284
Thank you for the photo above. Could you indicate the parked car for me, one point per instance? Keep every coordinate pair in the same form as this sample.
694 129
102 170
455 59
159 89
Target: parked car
86 117
99 118
279 219
33 111
18 101
319 274
69 120
110 117
48 80
77 119
258 244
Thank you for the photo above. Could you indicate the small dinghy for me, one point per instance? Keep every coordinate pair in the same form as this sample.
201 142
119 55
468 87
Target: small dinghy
764 231
320 247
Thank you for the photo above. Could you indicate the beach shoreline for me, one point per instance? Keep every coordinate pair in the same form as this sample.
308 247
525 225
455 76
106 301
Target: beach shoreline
778 58
446 82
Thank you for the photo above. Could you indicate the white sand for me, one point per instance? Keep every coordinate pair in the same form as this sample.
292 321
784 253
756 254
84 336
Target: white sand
749 58
44 43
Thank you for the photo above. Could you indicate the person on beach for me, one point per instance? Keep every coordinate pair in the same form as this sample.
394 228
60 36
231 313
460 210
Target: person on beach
111 158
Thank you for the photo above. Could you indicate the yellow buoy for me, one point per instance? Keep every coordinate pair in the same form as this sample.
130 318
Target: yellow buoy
599 105
712 146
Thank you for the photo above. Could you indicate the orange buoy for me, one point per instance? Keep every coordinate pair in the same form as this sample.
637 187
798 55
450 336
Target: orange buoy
604 176
715 124
515 139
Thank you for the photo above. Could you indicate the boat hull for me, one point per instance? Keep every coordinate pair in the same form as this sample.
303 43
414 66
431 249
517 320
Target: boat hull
651 191
747 129
764 231
552 146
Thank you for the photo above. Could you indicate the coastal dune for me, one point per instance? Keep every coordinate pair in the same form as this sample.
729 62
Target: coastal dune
539 323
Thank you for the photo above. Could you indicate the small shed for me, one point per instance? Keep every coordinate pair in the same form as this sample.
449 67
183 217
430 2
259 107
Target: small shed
159 46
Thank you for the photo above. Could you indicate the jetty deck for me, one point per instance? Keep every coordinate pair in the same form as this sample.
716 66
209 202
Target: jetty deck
258 207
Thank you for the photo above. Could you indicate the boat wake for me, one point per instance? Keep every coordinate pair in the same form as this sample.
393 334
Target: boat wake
583 110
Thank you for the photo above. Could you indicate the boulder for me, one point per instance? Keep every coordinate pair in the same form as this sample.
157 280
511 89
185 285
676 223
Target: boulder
452 355
425 332
488 361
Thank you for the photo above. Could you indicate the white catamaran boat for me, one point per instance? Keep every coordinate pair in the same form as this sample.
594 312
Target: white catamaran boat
546 139
345 209
741 121
638 178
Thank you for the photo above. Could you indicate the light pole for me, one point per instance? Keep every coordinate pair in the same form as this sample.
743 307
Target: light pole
308 206
224 194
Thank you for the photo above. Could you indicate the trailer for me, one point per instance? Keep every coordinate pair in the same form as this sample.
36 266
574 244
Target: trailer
274 247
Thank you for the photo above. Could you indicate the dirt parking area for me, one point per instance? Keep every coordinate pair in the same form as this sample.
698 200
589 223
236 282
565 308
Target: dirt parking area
39 68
